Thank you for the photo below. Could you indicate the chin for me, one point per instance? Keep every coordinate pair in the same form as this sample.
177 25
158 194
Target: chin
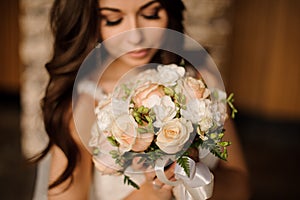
134 62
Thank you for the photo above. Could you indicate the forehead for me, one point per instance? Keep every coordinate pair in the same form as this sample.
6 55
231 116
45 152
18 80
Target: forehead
125 5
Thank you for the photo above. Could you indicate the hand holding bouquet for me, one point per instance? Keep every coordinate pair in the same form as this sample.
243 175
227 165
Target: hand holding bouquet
157 113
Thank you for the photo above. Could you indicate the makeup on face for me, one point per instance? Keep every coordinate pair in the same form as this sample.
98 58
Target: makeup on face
125 28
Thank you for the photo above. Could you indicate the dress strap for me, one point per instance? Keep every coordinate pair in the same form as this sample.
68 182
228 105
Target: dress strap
91 88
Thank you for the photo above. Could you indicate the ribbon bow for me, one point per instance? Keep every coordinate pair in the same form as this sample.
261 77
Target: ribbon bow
198 186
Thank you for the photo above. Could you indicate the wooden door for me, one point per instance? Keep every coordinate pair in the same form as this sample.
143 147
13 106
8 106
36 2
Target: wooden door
264 63
9 50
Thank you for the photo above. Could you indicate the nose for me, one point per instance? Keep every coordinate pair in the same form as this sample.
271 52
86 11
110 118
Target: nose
135 34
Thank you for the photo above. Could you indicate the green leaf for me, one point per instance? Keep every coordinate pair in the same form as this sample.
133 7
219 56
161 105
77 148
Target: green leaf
140 109
117 157
182 63
169 91
128 181
224 154
126 89
135 114
220 153
230 101
113 141
184 163
217 147
217 152
138 120
114 154
224 143
145 110
142 160
149 119
215 94
96 151
180 98
213 136
142 130
220 135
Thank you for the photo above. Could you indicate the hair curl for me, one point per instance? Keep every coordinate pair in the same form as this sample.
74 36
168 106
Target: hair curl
75 27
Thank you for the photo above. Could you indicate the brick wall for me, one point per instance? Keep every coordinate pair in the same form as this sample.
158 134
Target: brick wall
35 50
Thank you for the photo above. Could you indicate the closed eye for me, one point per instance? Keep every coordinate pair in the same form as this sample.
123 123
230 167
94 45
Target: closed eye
113 22
152 15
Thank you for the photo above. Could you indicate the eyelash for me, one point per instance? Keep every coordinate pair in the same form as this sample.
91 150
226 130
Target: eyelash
154 16
113 23
149 17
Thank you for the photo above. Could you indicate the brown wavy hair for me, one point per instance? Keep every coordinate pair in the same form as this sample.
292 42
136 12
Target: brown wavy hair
75 27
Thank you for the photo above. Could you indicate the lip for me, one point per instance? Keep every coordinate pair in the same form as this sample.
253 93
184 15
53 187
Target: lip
139 53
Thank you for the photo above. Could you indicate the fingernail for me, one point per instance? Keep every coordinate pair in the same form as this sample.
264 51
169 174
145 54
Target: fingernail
149 168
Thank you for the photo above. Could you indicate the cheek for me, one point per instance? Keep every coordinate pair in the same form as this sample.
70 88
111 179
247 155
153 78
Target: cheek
164 19
111 42
163 22
108 32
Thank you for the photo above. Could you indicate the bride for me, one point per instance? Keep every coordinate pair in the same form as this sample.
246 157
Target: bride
77 26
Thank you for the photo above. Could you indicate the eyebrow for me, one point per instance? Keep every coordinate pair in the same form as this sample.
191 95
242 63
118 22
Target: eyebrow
118 10
110 9
148 4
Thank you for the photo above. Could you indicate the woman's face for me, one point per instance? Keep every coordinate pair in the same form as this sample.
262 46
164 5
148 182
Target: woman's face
129 17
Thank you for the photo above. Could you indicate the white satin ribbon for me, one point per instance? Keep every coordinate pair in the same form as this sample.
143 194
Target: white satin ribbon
196 187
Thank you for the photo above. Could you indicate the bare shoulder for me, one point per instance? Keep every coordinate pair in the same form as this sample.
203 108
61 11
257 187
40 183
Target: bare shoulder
82 175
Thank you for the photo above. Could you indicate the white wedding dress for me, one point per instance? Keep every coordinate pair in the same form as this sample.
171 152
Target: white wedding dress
104 187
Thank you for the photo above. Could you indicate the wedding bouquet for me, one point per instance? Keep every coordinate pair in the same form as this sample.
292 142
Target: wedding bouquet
157 112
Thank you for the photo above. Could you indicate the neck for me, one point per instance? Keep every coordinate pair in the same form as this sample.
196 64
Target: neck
112 75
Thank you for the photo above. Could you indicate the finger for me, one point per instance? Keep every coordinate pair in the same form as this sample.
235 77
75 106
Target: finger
167 187
157 184
170 171
137 163
149 174
157 181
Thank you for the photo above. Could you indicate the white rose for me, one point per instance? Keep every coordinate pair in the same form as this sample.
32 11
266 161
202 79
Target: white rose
124 131
165 111
173 135
206 123
218 95
219 113
152 101
103 161
120 107
147 76
94 140
169 74
218 107
196 109
104 118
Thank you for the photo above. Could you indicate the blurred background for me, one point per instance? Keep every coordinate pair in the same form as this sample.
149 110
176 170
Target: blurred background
256 45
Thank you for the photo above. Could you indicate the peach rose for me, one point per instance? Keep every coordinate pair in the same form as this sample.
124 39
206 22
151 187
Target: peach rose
124 131
142 142
148 95
196 88
173 135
